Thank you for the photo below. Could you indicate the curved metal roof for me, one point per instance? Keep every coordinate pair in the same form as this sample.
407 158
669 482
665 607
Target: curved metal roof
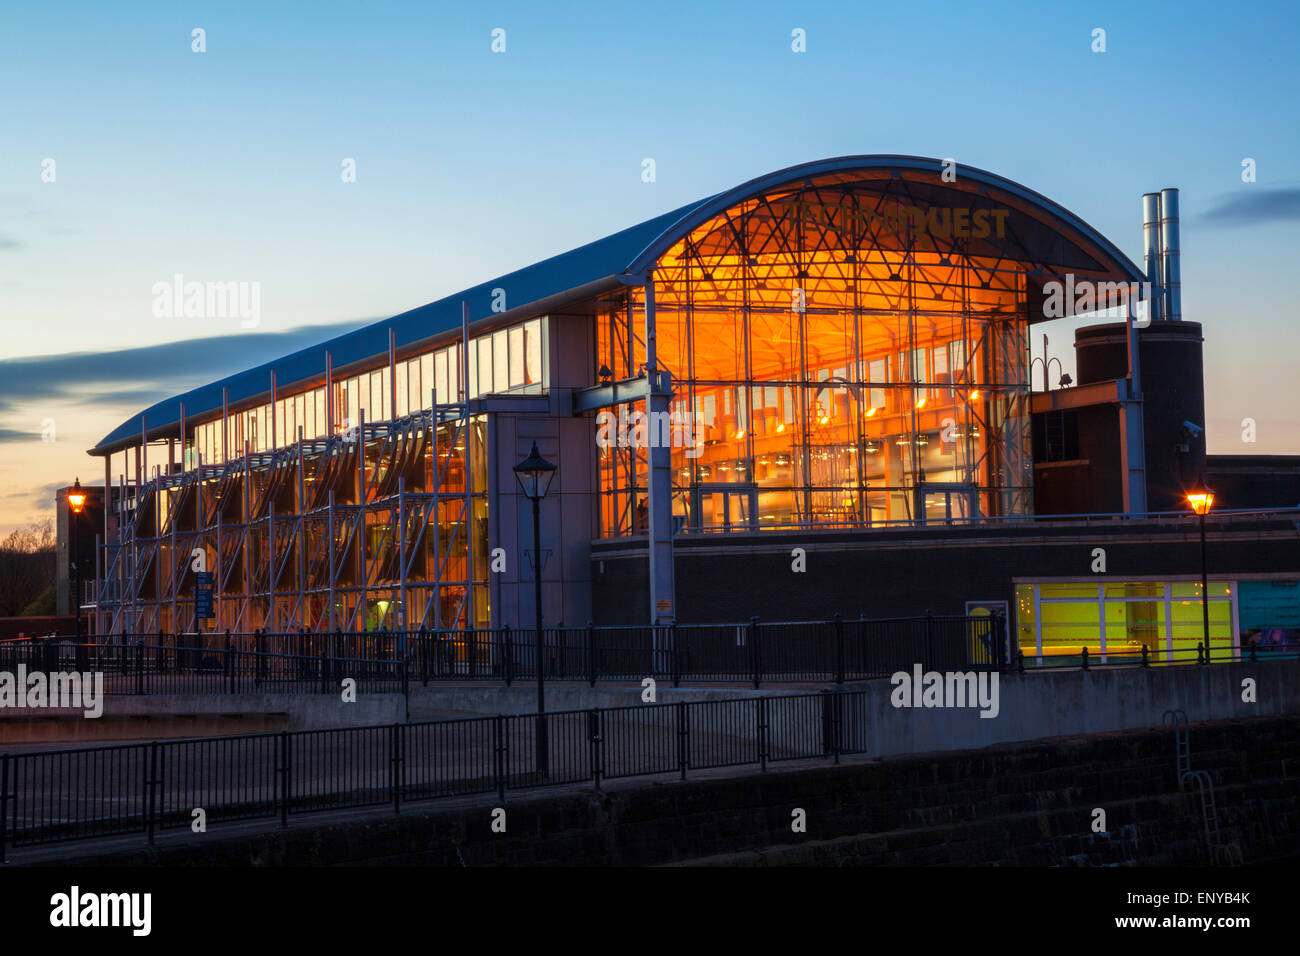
624 257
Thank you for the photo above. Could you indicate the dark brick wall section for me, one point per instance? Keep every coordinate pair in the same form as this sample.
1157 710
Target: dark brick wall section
900 573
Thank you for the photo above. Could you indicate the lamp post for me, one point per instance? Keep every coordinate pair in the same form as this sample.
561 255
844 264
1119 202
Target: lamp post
76 501
1201 502
534 475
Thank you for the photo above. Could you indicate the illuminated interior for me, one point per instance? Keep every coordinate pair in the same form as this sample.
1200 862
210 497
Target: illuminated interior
853 349
1165 616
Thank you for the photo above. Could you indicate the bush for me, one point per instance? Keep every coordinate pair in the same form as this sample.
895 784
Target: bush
41 605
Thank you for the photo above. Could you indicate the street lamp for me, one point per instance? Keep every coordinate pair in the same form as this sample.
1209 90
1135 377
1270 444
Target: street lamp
76 502
534 475
1201 502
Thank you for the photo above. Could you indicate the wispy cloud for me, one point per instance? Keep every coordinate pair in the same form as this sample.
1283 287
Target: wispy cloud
119 378
16 435
1255 205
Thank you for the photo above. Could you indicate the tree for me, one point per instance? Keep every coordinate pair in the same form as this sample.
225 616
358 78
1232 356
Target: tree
27 566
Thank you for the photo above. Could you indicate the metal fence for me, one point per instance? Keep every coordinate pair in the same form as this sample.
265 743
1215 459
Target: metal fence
153 787
753 651
1074 657
195 668
53 796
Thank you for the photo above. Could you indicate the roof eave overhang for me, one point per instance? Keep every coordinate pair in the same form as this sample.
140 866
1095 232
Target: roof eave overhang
528 310
646 260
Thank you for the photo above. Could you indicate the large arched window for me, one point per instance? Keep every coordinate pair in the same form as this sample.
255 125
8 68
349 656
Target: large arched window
853 350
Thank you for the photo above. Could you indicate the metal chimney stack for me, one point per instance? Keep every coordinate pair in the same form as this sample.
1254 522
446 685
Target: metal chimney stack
1151 252
1170 273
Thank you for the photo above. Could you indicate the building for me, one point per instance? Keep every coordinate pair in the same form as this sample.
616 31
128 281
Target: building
832 358
78 541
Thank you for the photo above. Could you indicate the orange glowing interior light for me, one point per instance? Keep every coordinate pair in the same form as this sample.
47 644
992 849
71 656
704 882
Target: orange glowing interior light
1201 502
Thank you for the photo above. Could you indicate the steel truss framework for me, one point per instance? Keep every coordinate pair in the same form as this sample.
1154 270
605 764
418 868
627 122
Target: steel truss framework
849 342
372 528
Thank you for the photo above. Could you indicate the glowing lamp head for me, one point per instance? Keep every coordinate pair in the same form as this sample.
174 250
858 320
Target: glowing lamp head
534 474
1201 502
76 497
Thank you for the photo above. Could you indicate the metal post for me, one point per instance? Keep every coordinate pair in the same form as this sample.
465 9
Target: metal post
329 522
839 649
591 654
837 709
1205 589
284 773
755 664
593 734
4 805
676 658
683 737
539 650
395 747
509 648
76 567
424 656
498 733
151 794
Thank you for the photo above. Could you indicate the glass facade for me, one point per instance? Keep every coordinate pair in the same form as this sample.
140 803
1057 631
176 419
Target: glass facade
850 350
353 581
508 360
1056 620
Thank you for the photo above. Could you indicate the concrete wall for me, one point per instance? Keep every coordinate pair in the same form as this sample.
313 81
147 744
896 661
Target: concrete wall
1047 704
144 717
568 513
521 698
1036 705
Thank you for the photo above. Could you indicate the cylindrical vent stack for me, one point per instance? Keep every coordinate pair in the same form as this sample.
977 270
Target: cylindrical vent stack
1170 274
1151 252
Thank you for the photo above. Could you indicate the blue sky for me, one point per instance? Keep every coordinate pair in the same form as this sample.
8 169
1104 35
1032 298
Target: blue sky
225 165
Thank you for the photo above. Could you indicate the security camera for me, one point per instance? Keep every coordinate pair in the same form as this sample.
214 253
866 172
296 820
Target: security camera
1193 430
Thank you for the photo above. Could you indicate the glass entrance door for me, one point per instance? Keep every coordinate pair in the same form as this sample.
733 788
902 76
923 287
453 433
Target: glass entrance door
727 507
946 504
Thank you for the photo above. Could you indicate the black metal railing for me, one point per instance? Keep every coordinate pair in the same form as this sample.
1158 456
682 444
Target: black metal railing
52 796
754 651
153 787
1061 656
204 668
